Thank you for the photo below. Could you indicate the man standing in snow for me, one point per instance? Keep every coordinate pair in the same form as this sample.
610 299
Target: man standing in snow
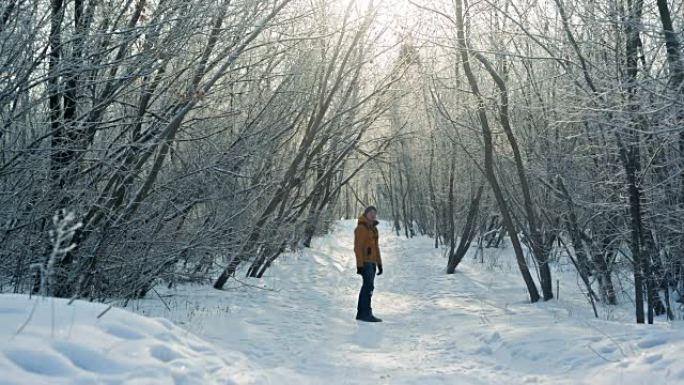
367 260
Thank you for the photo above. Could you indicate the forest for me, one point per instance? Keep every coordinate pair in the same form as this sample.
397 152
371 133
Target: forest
172 142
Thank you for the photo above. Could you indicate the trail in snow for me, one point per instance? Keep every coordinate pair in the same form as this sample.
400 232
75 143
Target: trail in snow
473 327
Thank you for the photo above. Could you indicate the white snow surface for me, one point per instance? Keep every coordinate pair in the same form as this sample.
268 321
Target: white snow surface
297 327
49 341
473 327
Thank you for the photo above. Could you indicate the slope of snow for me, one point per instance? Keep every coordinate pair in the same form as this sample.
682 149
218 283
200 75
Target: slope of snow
473 327
48 341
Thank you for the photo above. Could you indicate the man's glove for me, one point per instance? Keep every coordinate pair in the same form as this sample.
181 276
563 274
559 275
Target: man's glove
359 271
379 269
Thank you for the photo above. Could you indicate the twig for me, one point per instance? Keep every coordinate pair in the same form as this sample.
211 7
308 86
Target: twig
104 311
601 355
161 299
33 310
255 286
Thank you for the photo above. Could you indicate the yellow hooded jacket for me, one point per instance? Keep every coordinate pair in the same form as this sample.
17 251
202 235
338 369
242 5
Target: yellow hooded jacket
366 242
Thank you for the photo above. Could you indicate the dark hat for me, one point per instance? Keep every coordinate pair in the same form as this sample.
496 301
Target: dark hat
369 209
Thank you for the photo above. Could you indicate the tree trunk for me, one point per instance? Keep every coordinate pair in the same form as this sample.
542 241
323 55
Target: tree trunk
468 232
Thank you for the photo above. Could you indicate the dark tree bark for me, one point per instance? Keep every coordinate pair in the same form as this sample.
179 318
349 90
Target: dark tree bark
468 233
630 155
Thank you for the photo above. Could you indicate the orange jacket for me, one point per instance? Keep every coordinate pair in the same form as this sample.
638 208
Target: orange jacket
366 242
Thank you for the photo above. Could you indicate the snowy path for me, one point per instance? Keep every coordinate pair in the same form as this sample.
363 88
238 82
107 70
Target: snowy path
474 327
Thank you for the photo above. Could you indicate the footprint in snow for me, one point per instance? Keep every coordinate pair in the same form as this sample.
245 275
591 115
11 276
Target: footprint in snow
651 342
164 353
121 331
652 358
89 359
45 363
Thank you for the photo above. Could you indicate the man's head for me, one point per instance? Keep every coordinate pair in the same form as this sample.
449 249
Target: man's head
370 213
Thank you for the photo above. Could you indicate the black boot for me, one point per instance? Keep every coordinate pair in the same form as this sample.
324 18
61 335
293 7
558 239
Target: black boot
367 317
374 318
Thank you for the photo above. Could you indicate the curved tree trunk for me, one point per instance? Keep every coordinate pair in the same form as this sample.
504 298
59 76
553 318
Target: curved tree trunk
468 232
490 174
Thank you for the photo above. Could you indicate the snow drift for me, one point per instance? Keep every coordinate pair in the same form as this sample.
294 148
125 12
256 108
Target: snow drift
49 341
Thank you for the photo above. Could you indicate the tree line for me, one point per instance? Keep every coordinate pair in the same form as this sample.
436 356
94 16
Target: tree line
557 125
176 140
190 141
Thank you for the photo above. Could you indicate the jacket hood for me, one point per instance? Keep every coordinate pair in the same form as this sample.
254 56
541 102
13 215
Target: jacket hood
364 221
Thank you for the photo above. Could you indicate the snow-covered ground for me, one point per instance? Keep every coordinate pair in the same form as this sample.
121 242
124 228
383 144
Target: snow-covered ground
48 341
473 327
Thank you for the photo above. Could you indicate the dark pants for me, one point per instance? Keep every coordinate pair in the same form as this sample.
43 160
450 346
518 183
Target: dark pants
368 274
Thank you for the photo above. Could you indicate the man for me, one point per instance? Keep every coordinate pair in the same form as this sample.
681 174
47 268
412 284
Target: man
367 260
